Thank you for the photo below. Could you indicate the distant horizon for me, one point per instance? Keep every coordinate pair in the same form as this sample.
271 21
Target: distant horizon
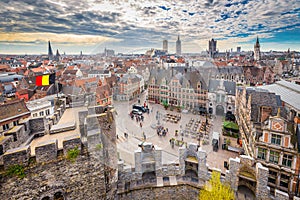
101 51
135 26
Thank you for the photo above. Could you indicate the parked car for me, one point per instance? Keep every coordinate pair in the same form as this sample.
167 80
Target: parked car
136 112
140 108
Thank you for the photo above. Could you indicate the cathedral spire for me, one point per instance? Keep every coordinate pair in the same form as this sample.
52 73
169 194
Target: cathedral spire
50 52
257 42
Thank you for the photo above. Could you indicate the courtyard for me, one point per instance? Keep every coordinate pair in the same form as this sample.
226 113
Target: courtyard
176 129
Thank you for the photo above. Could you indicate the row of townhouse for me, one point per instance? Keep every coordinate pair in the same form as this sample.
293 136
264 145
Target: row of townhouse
268 126
129 86
187 89
250 75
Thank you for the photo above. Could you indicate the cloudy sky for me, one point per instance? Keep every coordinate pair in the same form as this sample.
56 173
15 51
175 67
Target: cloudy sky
133 26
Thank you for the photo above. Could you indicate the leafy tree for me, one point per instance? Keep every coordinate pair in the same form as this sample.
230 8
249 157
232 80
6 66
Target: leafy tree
215 190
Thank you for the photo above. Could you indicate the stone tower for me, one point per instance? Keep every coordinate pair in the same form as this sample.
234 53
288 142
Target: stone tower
165 45
212 48
178 46
50 52
257 50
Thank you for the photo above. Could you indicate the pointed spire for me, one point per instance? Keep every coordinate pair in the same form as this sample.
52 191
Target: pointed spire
50 52
57 53
178 38
257 41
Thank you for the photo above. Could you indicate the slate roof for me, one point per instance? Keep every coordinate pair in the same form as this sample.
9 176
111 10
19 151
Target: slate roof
159 74
289 92
4 78
72 90
132 77
230 70
99 71
193 77
261 98
230 86
13 109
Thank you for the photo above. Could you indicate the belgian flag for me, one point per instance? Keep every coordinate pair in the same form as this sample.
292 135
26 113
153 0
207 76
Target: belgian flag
45 80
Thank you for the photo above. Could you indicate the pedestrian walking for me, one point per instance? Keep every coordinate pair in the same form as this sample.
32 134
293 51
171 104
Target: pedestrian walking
141 125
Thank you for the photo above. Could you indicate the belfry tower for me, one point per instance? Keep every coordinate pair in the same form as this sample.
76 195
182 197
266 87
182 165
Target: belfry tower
257 50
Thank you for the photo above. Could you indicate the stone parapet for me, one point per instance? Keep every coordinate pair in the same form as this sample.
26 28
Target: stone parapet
46 151
71 142
279 195
38 125
16 156
262 173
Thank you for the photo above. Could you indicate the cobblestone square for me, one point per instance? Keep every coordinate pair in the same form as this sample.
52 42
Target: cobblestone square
186 125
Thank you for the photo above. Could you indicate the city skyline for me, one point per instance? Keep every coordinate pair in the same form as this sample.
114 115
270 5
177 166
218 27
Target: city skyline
135 26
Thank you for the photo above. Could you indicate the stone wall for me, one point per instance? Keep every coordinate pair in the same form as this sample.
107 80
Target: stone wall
180 192
16 156
46 151
82 179
38 125
281 195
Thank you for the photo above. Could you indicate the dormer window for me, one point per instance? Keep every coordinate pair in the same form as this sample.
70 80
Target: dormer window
199 86
276 139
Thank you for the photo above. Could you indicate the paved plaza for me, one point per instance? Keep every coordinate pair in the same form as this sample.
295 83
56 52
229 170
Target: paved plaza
127 145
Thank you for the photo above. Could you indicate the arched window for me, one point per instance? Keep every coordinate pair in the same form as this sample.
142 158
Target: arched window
46 198
59 196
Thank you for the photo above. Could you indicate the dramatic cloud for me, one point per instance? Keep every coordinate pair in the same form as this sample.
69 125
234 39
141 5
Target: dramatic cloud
57 38
145 23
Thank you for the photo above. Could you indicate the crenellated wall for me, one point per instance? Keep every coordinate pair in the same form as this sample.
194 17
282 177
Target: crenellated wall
50 173
27 130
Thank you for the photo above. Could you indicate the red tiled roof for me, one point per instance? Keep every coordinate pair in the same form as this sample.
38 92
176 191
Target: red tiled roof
81 82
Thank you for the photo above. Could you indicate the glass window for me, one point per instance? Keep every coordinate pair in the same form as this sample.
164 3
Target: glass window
284 180
274 157
287 160
15 123
47 112
262 153
5 127
276 139
272 177
42 113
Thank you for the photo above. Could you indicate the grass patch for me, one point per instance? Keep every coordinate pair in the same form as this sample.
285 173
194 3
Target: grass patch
99 146
16 170
73 154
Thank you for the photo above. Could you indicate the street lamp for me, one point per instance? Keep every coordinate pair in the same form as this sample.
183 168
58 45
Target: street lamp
158 118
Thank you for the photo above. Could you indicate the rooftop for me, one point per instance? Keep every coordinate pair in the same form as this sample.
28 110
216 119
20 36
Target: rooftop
289 92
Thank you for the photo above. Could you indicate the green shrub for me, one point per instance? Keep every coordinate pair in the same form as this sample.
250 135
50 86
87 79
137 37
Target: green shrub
16 170
72 154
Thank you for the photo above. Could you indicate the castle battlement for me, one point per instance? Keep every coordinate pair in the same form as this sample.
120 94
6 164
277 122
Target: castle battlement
44 152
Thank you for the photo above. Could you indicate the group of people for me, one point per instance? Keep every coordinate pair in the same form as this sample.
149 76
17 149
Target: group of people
161 131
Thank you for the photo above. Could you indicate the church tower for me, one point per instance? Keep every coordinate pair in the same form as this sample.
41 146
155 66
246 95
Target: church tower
178 46
50 52
257 50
